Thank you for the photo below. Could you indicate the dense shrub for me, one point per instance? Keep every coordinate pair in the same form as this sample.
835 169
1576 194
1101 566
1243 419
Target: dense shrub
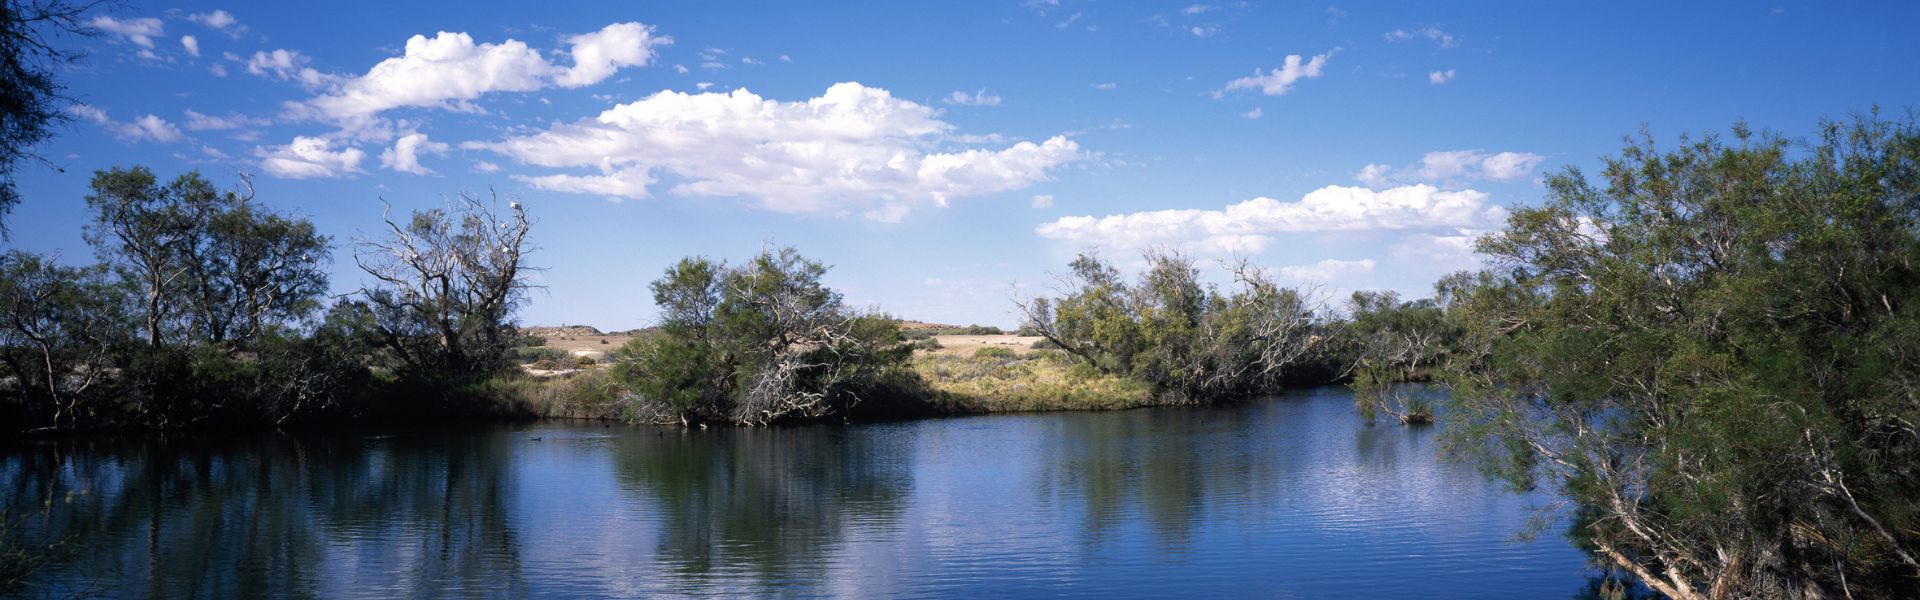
1189 340
756 343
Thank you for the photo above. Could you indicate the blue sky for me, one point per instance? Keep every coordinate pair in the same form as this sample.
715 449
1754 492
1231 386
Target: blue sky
941 157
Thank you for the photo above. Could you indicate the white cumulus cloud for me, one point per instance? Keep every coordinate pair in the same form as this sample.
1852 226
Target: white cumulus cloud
1439 77
218 19
1279 81
853 147
140 31
286 65
310 157
597 55
449 71
1508 166
191 44
404 156
1248 226
1374 175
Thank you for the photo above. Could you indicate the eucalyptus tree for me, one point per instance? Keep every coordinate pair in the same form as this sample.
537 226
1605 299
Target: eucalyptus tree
447 282
209 267
208 277
1711 350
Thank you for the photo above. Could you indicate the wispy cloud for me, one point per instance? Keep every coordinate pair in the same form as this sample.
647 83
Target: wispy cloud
1442 38
1281 80
148 128
978 98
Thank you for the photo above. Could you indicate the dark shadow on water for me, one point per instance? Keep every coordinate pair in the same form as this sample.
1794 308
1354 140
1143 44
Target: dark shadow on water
162 516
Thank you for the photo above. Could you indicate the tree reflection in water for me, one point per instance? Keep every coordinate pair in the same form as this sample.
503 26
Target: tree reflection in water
276 514
769 505
1293 496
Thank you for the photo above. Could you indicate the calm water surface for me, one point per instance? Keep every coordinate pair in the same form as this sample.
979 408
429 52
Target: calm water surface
1289 497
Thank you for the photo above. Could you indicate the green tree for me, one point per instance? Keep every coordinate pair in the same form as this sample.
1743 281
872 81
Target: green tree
209 266
756 343
211 275
1190 340
1711 350
1392 342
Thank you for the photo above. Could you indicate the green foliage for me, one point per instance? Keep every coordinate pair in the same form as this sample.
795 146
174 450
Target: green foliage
217 289
203 312
206 267
679 376
532 354
1711 350
1386 342
32 102
756 343
1188 339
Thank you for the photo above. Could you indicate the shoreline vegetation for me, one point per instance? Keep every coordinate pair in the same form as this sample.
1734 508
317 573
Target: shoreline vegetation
996 373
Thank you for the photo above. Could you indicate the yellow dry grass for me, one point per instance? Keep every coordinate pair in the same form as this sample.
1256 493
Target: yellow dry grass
1023 380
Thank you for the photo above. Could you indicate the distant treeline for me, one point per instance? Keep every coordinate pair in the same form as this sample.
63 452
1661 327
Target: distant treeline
205 308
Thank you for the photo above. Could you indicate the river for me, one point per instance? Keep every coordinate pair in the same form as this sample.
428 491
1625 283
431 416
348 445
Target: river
1289 497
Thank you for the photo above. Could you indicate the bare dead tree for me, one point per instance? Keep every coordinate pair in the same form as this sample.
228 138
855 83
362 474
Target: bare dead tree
448 280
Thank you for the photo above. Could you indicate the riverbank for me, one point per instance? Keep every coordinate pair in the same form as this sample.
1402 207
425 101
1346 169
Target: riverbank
956 375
